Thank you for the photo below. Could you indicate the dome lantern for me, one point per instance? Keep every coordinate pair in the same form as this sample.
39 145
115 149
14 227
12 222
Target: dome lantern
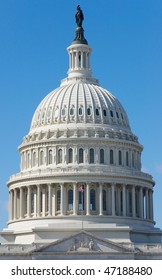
79 56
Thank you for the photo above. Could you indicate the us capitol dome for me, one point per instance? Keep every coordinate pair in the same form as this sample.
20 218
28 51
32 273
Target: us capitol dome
80 167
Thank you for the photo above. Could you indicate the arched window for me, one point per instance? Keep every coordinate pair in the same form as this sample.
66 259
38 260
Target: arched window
70 200
70 155
81 157
58 200
133 165
104 200
101 156
91 156
88 111
34 158
127 159
80 111
92 200
104 112
71 111
60 156
63 112
97 112
120 157
111 113
50 157
41 157
111 157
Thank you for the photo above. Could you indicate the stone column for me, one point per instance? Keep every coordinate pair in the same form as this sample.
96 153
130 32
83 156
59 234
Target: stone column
133 202
88 200
151 205
124 199
29 202
38 200
77 60
113 199
35 202
100 199
109 200
74 199
11 205
141 203
15 204
54 202
21 203
82 58
118 191
49 200
43 202
147 205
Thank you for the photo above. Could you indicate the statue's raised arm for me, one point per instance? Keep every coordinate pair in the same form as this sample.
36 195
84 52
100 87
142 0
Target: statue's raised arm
79 16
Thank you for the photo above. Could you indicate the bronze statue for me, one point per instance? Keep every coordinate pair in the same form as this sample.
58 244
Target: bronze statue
79 31
79 16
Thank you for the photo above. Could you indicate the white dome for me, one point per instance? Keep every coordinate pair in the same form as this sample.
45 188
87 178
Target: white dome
80 137
78 103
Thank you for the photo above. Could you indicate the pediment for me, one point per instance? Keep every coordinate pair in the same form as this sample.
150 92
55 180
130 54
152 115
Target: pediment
83 242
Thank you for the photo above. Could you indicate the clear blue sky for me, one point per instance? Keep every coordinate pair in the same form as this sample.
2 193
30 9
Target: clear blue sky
126 37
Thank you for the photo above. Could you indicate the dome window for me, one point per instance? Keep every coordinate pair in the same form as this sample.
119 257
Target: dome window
34 158
43 116
127 159
50 157
92 200
72 111
49 114
88 111
81 156
101 156
104 200
91 156
111 113
58 200
60 156
111 157
97 112
57 112
70 154
80 111
41 157
122 116
117 115
120 158
63 112
104 112
70 200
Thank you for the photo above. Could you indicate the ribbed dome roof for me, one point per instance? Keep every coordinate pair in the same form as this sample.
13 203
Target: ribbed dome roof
80 103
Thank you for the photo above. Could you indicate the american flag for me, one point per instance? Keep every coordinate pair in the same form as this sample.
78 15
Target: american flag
81 188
